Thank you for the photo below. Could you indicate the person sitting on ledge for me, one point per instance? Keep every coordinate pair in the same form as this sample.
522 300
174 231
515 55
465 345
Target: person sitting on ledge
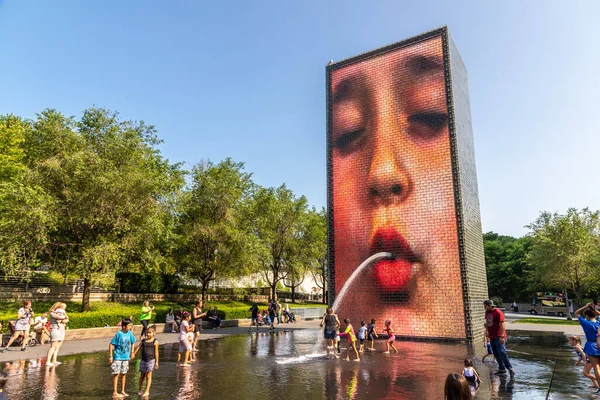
213 317
170 322
41 329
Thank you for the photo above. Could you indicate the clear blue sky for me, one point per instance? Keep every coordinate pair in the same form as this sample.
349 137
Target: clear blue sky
246 79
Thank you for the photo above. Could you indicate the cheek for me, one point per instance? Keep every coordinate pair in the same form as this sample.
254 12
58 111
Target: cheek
349 197
433 204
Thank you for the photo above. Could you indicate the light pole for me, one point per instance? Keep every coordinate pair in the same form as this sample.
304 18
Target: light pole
569 317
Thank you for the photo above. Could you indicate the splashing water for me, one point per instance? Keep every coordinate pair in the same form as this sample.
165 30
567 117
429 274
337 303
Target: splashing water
319 343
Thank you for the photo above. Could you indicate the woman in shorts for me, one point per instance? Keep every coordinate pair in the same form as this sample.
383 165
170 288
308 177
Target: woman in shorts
332 325
22 326
58 321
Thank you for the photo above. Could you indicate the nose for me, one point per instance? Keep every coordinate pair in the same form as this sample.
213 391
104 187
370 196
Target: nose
388 180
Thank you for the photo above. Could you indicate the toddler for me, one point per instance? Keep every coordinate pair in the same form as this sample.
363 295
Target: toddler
575 341
488 346
362 335
372 334
469 372
391 337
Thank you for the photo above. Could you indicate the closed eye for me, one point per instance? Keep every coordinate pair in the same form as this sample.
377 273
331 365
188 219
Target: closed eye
347 142
428 124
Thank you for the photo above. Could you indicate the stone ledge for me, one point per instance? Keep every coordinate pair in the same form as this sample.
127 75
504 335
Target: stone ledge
95 333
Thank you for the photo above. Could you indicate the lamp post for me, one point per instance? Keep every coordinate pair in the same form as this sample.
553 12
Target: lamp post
569 317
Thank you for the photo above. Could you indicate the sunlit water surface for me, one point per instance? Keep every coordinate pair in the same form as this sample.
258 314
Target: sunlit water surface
280 366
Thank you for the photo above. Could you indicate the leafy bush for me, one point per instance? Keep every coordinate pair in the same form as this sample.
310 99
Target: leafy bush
105 313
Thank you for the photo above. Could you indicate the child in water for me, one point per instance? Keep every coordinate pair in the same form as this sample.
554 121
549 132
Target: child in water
149 348
488 346
469 372
349 333
372 334
391 337
575 341
362 335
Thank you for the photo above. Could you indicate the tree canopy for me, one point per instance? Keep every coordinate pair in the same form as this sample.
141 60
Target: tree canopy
565 250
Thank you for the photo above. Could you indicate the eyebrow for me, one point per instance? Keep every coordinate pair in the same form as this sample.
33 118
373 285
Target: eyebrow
420 65
348 88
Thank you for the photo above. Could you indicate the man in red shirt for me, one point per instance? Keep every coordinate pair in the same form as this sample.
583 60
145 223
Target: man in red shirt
496 332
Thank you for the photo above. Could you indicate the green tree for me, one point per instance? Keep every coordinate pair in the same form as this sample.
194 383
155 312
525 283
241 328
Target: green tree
317 221
277 216
506 266
26 216
565 250
108 182
213 241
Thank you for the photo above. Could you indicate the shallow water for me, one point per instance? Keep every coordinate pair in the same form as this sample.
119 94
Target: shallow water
279 365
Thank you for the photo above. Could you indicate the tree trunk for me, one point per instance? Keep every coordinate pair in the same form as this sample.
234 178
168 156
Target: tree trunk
579 299
204 290
85 303
293 293
274 291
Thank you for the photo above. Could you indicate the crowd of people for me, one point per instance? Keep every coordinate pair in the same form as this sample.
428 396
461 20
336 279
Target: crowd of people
274 311
122 347
50 326
458 386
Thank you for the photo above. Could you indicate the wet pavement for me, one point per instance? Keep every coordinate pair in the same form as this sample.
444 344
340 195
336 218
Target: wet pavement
275 366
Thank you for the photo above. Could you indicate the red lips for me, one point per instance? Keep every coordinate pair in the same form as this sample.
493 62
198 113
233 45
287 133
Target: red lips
392 274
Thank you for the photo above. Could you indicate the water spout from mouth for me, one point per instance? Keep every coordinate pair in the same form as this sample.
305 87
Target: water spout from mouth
356 273
377 256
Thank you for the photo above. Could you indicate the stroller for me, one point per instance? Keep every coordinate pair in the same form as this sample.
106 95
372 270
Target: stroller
31 340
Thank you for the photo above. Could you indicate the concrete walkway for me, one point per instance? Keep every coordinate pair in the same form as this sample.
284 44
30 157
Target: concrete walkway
94 345
566 329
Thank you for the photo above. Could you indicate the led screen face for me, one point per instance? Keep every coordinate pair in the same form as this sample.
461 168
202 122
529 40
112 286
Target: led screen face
392 191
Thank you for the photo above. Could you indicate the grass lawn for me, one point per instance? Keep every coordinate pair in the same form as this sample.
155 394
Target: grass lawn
546 321
105 313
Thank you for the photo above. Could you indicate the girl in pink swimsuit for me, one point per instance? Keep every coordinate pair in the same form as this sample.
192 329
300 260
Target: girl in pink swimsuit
391 337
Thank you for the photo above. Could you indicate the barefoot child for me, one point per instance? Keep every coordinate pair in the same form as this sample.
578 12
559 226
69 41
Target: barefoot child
185 346
391 337
362 335
120 352
192 336
149 347
575 341
372 334
349 333
469 372
488 346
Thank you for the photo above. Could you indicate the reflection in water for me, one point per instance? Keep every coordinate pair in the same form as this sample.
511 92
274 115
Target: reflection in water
50 391
256 366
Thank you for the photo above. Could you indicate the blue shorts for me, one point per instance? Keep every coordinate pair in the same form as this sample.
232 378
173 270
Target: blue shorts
329 335
147 366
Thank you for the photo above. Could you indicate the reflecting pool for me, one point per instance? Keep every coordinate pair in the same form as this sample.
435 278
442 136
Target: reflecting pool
271 366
